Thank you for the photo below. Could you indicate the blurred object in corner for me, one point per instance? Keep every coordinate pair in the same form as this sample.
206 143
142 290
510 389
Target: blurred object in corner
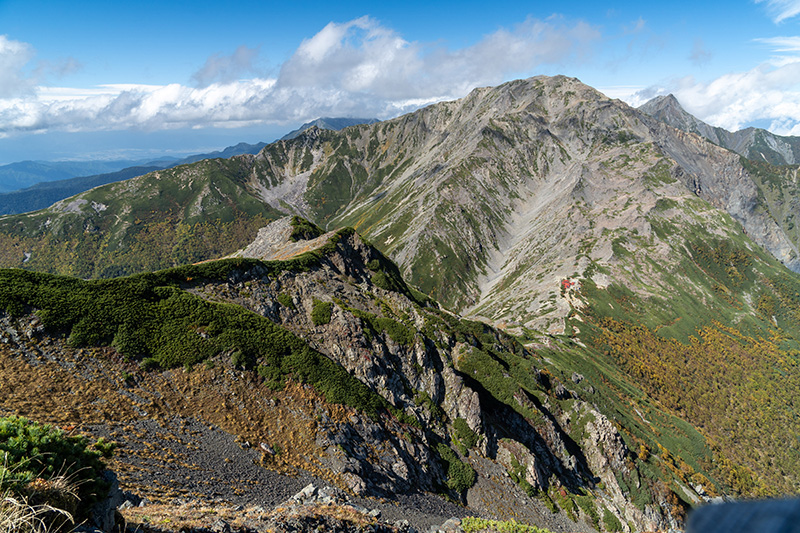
756 516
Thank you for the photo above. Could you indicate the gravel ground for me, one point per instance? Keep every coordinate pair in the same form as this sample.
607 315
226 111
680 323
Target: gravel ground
185 460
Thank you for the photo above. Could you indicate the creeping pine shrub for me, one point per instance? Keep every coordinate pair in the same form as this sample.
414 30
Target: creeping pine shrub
611 522
460 475
321 312
42 465
464 434
586 504
285 300
304 230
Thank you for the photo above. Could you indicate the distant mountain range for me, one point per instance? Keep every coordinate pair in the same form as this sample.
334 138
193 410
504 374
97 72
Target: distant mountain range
46 192
23 174
46 182
328 123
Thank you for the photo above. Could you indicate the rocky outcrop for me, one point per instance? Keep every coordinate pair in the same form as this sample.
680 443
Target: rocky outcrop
385 339
516 458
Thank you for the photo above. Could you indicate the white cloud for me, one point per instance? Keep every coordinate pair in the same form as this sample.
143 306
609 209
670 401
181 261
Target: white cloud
357 68
14 56
225 69
699 54
363 57
783 44
781 10
18 76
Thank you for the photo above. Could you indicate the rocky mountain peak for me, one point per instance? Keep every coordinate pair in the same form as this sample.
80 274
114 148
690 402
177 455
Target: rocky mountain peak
667 109
660 102
754 143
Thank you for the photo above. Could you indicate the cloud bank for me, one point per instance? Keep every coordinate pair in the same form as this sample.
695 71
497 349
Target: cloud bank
768 94
356 68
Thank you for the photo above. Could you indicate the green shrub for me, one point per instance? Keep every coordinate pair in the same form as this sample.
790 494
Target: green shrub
238 359
587 506
273 376
304 230
30 451
321 312
386 275
517 474
424 399
464 434
472 524
460 476
611 522
385 282
565 502
397 331
286 300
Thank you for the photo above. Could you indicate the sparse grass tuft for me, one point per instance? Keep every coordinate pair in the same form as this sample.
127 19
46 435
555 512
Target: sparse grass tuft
17 515
474 524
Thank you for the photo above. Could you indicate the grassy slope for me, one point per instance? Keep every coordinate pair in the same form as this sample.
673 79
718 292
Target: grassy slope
163 219
148 317
719 350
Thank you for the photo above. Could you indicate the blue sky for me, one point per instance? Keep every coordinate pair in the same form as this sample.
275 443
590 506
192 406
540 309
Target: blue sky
138 79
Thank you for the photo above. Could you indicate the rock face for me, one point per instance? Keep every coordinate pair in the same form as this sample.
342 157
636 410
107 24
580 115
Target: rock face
386 340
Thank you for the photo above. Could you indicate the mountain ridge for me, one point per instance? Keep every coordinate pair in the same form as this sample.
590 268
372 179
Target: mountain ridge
328 123
619 250
391 354
754 143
